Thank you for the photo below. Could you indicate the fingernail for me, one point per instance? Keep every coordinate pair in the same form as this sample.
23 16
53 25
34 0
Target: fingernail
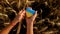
36 11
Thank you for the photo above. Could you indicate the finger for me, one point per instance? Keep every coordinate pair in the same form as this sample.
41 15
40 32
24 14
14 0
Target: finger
20 12
35 13
34 16
23 13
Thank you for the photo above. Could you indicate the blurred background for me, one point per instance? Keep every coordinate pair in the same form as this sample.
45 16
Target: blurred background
47 21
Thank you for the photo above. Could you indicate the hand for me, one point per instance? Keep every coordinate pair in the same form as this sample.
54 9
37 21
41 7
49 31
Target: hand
19 16
30 20
30 23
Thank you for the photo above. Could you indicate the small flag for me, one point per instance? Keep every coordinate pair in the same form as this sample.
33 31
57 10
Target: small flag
29 12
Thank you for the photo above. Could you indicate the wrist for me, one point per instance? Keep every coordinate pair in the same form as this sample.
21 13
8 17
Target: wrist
29 22
29 28
13 23
29 25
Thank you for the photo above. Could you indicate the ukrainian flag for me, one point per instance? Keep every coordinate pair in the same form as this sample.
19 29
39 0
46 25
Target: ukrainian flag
29 12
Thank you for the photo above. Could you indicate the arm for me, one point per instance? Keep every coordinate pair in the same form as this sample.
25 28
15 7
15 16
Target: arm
30 28
30 23
18 18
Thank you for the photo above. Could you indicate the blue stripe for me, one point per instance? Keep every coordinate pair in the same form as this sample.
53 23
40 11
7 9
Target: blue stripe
29 10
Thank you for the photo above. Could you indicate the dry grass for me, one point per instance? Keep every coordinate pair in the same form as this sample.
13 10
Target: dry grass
7 7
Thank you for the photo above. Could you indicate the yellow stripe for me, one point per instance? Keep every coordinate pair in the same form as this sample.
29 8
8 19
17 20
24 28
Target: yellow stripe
28 14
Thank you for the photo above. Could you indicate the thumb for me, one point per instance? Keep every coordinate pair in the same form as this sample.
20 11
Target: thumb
34 16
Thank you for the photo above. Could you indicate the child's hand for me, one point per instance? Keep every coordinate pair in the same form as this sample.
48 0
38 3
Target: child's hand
30 20
30 23
19 16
